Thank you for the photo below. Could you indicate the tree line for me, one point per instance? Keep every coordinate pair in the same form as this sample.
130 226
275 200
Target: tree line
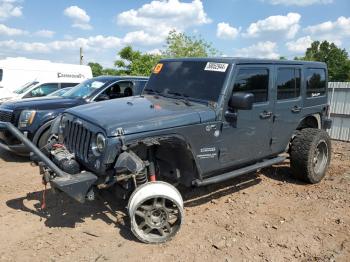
133 62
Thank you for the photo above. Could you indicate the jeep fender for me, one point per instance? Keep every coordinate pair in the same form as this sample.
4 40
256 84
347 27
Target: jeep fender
312 121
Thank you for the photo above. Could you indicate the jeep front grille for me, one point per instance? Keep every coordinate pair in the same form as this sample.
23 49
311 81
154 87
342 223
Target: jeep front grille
77 139
5 116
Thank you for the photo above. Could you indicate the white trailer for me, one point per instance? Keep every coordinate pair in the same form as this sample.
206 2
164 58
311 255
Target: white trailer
16 73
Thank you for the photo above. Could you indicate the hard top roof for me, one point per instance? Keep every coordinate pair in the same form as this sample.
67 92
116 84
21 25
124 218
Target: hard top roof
244 60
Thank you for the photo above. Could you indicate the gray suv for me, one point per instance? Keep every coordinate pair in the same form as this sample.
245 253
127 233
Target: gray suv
198 121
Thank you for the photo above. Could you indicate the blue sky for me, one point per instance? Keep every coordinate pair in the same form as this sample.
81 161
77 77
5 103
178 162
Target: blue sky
55 30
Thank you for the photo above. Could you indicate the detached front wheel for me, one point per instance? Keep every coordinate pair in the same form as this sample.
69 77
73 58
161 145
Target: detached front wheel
310 155
156 212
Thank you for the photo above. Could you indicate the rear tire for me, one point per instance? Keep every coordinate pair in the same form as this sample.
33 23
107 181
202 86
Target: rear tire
310 155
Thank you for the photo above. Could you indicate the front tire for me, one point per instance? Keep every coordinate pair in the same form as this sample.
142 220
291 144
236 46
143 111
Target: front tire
310 155
156 212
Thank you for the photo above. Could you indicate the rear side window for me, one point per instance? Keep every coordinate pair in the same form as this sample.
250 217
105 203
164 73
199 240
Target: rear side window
1 72
288 83
315 82
43 90
253 80
139 86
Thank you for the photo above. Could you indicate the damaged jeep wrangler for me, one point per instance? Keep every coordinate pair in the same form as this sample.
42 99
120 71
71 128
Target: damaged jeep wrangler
198 121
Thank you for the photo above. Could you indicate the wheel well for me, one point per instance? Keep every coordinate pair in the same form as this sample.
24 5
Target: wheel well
173 158
312 121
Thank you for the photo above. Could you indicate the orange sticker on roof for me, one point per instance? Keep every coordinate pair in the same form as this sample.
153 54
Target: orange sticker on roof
157 68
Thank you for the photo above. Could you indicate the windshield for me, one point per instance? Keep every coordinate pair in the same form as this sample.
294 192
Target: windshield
85 88
190 79
60 92
26 87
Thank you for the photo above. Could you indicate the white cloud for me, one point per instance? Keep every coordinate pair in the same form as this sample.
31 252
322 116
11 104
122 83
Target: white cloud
287 25
159 17
94 43
339 28
79 16
10 8
44 33
142 38
298 2
225 31
5 30
155 51
266 49
300 45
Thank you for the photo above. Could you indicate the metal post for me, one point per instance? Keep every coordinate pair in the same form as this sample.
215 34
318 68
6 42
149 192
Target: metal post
81 55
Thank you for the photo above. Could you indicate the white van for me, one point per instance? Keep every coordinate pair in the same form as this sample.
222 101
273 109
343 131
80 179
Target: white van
24 78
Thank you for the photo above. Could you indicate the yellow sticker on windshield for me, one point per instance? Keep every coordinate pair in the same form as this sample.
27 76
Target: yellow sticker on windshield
157 68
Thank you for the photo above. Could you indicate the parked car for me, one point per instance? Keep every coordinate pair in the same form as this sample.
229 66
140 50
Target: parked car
198 122
23 72
34 116
37 89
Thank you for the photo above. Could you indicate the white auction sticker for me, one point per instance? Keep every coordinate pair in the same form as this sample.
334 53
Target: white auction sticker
217 67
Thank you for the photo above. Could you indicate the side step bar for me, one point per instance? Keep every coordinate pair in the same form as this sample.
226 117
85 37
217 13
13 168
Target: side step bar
238 172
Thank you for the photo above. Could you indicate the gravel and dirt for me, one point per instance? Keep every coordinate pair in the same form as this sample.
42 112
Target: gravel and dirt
265 216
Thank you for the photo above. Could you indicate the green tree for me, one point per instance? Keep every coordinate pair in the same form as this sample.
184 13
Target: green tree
182 45
133 62
96 69
337 59
111 72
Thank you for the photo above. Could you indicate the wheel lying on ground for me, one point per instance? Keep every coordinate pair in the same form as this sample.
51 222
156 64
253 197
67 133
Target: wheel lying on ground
310 155
156 212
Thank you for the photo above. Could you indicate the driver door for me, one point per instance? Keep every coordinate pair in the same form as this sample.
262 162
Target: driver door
248 138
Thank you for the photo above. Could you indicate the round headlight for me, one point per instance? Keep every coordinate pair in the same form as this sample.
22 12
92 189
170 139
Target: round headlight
100 142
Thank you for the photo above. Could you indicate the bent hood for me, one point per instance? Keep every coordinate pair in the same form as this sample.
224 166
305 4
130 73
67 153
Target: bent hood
46 103
142 113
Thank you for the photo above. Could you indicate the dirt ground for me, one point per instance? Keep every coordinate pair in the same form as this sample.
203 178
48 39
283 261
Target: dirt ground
267 216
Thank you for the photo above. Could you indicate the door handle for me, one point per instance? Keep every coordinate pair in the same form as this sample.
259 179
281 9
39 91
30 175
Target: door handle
265 115
296 109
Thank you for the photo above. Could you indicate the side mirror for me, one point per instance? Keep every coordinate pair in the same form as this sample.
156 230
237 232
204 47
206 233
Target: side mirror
102 97
241 100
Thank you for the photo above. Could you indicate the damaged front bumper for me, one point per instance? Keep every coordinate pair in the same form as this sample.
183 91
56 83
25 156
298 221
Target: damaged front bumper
76 186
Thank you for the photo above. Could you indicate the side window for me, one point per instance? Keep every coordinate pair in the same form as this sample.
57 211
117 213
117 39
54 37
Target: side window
43 90
1 73
253 80
288 83
64 85
315 82
139 86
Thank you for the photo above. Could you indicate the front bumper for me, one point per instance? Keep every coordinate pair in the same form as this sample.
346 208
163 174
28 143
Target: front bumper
76 186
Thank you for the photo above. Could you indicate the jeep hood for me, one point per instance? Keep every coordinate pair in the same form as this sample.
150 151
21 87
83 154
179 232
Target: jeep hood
44 103
142 114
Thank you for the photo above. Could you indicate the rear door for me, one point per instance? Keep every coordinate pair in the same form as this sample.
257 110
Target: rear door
288 105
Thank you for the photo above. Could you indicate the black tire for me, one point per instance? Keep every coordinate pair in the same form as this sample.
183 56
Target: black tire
44 137
310 155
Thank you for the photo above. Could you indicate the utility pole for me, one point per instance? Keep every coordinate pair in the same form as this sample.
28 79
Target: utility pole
81 55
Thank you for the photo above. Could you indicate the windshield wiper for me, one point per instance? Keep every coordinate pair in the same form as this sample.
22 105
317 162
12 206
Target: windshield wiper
183 96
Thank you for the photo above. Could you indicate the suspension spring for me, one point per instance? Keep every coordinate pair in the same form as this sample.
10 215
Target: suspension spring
141 179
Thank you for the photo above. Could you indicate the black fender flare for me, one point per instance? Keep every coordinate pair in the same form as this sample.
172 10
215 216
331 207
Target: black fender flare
41 130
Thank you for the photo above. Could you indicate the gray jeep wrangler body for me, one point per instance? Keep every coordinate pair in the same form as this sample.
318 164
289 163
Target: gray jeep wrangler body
198 121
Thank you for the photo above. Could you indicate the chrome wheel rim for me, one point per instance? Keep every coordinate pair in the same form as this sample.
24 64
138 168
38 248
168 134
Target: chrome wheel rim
320 158
158 218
